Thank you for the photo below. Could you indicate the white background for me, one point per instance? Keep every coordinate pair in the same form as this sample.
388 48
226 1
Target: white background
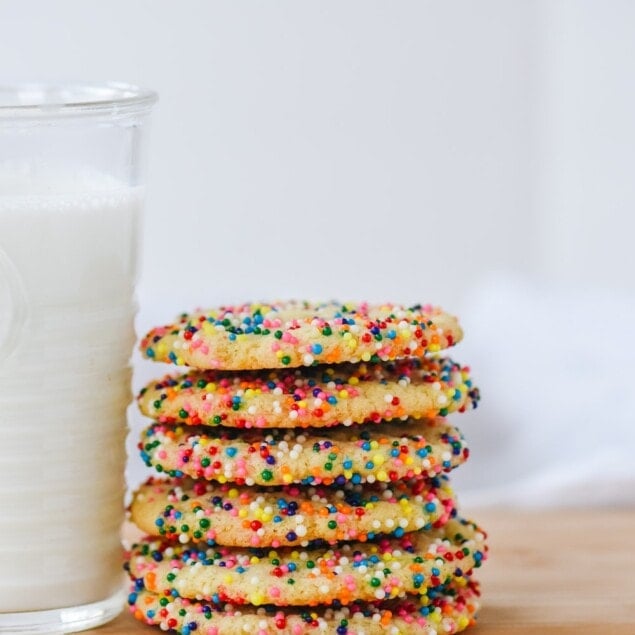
476 155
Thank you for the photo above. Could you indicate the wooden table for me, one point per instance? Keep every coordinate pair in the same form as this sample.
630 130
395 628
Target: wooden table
549 573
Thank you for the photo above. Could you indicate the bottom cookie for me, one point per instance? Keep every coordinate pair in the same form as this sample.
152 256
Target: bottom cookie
445 610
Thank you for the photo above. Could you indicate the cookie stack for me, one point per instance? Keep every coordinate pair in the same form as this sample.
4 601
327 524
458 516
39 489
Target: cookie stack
303 463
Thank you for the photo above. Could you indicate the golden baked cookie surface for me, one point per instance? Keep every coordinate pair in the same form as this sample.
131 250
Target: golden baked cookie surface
320 396
311 456
291 334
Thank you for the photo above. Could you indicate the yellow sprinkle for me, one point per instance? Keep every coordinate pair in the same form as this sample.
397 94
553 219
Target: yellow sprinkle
353 381
254 560
343 394
257 598
287 478
233 493
409 460
366 356
242 513
382 476
211 387
434 348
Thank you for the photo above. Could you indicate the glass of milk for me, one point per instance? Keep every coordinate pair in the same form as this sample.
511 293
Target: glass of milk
71 193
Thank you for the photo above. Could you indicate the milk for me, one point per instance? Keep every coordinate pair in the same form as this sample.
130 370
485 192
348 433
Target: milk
64 387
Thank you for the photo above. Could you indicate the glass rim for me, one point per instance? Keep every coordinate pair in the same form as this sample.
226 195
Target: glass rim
52 100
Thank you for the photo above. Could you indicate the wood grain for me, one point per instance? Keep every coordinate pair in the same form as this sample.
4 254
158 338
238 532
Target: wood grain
549 573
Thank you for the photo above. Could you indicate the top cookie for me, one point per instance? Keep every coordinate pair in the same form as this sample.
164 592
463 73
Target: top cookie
291 334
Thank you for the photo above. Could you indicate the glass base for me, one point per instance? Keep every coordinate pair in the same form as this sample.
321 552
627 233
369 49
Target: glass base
59 621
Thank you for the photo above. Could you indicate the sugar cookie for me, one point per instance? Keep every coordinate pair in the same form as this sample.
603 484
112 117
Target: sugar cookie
317 397
312 456
290 515
348 572
288 334
442 611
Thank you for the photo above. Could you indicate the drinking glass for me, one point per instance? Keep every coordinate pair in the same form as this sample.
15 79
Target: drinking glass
72 163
